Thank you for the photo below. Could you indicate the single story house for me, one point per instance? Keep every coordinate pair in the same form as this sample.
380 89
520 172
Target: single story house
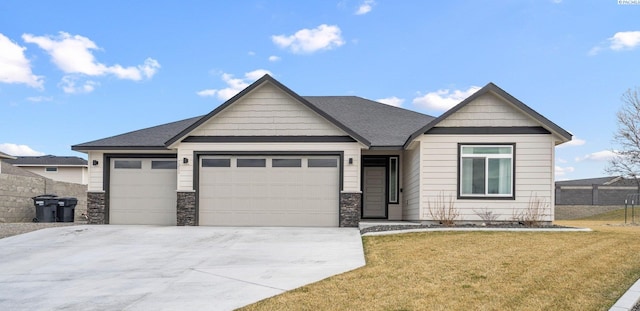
611 190
59 168
270 157
4 156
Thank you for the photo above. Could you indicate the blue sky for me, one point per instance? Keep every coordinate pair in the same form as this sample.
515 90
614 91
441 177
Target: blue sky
76 71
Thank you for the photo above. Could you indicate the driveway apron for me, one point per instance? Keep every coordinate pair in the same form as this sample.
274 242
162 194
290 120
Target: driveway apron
167 268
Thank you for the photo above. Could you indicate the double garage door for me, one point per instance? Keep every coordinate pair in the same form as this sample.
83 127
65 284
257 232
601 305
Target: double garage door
232 191
269 190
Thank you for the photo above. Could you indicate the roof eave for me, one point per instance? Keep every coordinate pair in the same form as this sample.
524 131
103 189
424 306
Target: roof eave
117 148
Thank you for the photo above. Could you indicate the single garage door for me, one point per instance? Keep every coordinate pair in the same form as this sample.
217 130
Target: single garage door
142 191
269 191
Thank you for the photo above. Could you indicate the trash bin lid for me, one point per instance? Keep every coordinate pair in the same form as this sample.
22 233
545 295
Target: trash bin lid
45 196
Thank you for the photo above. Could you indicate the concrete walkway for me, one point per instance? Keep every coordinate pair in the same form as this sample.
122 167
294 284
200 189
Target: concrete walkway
167 268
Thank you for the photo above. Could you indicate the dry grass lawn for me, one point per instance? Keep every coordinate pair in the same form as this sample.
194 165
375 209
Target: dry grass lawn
483 271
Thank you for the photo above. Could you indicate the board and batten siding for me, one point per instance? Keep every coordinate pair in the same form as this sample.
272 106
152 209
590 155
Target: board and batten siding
411 183
534 165
351 177
266 111
488 110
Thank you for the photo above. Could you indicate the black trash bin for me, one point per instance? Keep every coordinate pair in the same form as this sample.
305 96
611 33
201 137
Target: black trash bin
46 208
66 209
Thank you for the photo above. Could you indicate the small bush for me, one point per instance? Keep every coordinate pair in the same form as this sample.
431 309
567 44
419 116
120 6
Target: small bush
443 211
533 215
487 216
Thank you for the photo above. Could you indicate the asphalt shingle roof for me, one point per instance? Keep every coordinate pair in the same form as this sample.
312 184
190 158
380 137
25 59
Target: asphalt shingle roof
47 160
380 124
148 138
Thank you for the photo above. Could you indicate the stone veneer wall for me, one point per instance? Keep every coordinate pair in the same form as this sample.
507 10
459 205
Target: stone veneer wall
186 209
96 208
350 205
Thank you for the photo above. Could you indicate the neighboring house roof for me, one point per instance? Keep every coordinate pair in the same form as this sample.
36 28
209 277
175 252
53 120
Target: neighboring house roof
490 87
6 156
48 160
589 181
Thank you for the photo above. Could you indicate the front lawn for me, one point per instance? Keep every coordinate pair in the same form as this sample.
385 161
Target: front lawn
482 271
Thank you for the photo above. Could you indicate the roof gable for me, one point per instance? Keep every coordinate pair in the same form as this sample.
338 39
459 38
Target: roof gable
492 89
257 84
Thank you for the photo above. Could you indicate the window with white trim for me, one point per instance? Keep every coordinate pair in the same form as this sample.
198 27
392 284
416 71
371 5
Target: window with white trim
486 170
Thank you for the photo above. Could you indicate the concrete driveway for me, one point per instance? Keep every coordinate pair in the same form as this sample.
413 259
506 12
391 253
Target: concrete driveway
167 268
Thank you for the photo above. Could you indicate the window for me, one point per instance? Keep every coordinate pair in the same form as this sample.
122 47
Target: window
286 163
393 180
216 162
164 165
322 163
127 164
486 170
50 169
251 162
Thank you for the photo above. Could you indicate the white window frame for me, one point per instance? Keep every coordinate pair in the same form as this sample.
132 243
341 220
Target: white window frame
487 157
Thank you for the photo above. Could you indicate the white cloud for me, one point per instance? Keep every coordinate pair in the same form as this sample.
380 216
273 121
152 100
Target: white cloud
274 58
37 99
234 85
574 142
625 40
561 160
561 171
365 7
604 155
207 93
74 55
14 66
19 150
620 41
251 53
70 85
444 99
324 37
391 101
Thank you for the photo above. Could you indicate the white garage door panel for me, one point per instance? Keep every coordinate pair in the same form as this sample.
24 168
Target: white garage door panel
269 196
144 195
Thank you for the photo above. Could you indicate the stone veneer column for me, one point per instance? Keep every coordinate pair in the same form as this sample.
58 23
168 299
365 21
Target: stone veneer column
186 208
96 208
350 204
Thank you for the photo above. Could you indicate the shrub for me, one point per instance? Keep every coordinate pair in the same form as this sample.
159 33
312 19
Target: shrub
443 211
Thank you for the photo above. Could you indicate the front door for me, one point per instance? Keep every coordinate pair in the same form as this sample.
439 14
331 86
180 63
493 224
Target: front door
374 195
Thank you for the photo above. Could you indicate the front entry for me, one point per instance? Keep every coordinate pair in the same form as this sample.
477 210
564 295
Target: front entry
374 195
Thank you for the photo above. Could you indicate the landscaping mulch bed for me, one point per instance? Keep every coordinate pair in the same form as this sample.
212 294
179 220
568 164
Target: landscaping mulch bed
381 228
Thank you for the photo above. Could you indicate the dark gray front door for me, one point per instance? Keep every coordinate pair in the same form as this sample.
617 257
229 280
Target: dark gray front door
374 195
